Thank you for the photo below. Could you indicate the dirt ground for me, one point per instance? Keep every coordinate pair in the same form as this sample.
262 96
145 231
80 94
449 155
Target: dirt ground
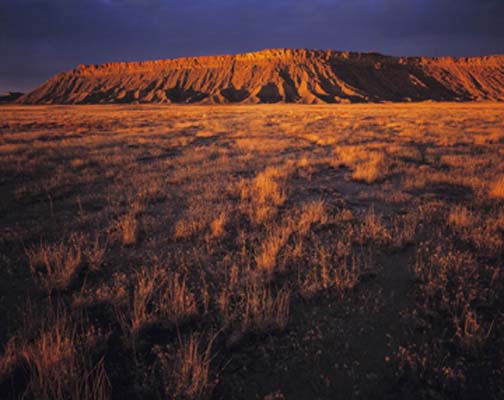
252 252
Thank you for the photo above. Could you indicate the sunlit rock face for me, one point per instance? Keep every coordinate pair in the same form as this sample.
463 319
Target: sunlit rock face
279 75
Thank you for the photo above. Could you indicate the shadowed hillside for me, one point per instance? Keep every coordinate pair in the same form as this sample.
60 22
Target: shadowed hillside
9 97
284 75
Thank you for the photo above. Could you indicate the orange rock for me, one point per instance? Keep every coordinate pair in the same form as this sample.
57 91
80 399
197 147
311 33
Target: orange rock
279 75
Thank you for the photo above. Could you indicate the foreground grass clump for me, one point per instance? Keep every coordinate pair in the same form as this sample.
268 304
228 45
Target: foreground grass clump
369 165
372 169
262 195
129 227
267 256
55 267
461 217
62 361
186 374
60 368
218 226
9 359
331 271
158 296
312 213
265 311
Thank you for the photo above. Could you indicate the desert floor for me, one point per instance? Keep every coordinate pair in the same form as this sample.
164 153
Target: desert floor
250 252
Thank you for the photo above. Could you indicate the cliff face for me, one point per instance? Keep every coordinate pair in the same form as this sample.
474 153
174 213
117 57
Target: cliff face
286 75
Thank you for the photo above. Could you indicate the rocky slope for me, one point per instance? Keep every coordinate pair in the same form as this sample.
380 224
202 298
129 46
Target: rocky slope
283 75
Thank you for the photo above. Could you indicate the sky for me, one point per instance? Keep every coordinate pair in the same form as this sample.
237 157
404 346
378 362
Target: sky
39 38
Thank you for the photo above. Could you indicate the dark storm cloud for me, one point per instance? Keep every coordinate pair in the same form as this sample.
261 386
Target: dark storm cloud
41 37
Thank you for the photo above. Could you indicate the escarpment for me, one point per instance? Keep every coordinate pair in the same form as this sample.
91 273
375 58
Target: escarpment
282 75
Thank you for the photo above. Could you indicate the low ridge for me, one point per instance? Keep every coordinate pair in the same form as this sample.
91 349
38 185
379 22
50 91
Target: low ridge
279 75
9 97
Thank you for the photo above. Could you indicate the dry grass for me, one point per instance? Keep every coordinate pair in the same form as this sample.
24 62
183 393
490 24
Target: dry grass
461 217
373 229
428 365
496 189
480 231
471 332
95 253
129 228
55 267
195 221
312 213
145 290
368 163
451 283
9 359
176 302
218 226
59 369
60 363
373 168
262 195
241 215
267 186
186 375
265 311
159 296
114 293
332 272
351 155
269 250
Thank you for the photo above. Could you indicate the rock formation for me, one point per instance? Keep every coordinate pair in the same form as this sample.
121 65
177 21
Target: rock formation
282 75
